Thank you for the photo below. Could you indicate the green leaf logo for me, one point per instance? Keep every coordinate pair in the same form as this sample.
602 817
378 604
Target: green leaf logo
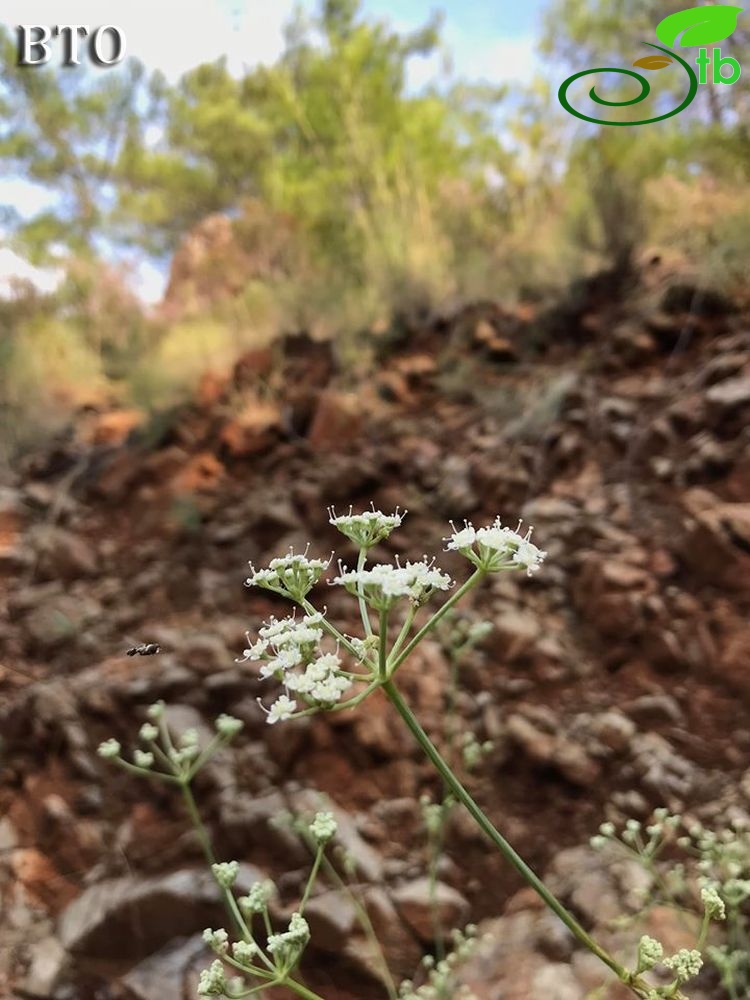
698 25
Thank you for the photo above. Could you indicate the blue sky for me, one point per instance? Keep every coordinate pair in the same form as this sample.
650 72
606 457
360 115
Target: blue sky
487 40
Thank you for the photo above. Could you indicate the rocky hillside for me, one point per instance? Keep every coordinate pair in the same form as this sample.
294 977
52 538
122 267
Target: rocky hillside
615 681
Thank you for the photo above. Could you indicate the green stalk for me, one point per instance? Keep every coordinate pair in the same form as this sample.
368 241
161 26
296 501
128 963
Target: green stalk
404 630
143 772
364 919
205 841
473 580
311 880
382 650
364 613
301 991
703 932
204 757
195 819
330 629
462 795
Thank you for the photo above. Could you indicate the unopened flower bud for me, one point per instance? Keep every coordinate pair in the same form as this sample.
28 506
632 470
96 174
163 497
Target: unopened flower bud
109 749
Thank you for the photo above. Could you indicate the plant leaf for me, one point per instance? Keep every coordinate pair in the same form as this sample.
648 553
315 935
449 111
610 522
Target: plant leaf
698 25
653 62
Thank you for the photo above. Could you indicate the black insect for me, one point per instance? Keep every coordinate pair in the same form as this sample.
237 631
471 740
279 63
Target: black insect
144 649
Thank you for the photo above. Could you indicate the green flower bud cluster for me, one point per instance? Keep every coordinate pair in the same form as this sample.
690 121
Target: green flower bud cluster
181 757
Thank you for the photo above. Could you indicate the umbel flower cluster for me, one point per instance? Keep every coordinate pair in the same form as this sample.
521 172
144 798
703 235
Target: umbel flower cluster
712 883
291 651
259 954
320 668
274 959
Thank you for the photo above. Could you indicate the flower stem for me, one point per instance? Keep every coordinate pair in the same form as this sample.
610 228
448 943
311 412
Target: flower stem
366 924
473 580
463 796
195 819
382 648
364 613
331 629
404 631
302 991
205 841
311 880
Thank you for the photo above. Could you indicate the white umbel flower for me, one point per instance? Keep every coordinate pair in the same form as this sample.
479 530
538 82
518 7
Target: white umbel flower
323 827
109 749
225 873
368 528
321 681
245 951
293 575
217 941
650 953
228 727
685 964
213 980
284 643
494 548
713 904
287 947
143 758
257 899
383 585
463 538
281 710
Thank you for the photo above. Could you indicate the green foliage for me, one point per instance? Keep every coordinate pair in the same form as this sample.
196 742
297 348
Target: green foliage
66 131
328 135
46 369
171 369
607 213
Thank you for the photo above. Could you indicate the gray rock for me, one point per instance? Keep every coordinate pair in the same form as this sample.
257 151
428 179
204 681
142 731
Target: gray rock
60 620
730 394
557 751
206 652
663 772
555 980
650 708
130 918
8 835
365 859
47 961
63 555
517 631
425 912
245 820
162 976
613 729
332 917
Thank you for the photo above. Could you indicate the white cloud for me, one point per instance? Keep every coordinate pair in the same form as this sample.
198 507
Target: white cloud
493 60
14 268
26 197
148 281
501 60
